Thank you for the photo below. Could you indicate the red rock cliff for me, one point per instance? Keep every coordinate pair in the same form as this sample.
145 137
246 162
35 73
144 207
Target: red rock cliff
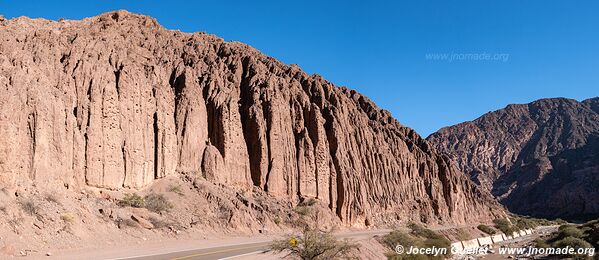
117 101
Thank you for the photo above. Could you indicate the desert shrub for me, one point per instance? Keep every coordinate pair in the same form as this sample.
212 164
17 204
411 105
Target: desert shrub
570 232
132 200
159 223
15 221
224 213
314 244
572 242
540 243
526 223
157 203
591 232
505 226
486 229
176 189
67 218
400 238
302 210
397 237
591 223
439 243
418 237
576 236
307 202
544 222
560 221
560 228
277 220
420 231
122 223
29 207
52 198
462 234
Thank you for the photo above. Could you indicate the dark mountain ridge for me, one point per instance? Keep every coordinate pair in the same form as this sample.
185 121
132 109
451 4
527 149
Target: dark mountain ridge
538 159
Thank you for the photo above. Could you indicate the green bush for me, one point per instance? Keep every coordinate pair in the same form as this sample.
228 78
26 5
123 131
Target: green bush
565 226
418 237
576 236
591 232
526 223
157 203
132 200
505 226
560 221
486 229
540 243
570 232
397 237
420 231
572 242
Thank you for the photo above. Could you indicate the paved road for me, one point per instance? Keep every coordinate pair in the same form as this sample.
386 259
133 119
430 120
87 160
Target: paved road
231 251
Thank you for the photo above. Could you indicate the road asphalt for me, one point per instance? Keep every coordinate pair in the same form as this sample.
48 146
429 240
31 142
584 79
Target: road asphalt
234 251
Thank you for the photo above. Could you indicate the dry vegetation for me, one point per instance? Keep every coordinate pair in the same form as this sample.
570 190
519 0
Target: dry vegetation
486 229
418 237
312 243
574 236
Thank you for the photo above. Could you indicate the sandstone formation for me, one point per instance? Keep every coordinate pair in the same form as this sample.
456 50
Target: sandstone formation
540 158
116 101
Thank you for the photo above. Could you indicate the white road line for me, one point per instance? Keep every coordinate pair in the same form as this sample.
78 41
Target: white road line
236 256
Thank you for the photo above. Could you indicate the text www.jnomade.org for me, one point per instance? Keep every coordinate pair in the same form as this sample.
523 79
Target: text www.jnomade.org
527 251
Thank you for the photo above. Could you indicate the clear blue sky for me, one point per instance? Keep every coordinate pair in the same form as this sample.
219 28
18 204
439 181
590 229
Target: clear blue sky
380 48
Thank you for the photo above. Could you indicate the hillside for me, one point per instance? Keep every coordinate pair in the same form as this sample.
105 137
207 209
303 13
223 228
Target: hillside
539 159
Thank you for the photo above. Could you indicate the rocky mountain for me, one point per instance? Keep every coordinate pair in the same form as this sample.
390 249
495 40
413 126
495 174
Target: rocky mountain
540 158
117 101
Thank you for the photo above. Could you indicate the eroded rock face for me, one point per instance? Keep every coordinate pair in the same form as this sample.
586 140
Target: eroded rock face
118 101
540 158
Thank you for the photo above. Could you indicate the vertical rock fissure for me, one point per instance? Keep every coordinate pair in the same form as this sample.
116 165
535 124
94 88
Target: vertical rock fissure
249 125
333 146
32 125
446 183
156 145
85 134
177 84
101 181
124 164
117 77
268 118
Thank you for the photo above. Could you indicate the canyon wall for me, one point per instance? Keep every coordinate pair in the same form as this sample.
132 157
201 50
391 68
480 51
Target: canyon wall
539 159
116 101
